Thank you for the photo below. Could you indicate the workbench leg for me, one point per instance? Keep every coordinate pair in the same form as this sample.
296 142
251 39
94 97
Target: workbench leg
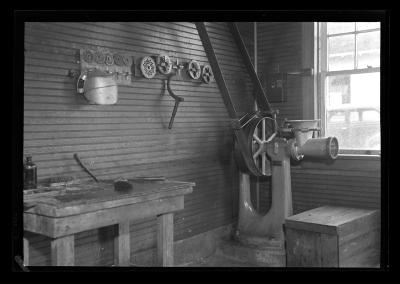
122 245
63 251
165 239
26 252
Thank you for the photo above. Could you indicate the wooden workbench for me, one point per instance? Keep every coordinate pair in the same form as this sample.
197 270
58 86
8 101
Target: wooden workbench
61 213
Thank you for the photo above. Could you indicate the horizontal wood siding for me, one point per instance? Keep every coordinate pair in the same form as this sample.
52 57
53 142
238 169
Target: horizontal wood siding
279 44
352 182
131 138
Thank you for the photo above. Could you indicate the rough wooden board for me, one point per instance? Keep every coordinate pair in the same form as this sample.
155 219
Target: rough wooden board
63 251
303 248
103 196
122 246
329 250
165 239
327 219
370 220
360 250
26 251
55 227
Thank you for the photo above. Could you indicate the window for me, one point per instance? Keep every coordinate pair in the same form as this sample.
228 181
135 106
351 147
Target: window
349 64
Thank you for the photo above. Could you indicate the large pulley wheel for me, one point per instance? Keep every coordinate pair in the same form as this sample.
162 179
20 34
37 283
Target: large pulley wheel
258 133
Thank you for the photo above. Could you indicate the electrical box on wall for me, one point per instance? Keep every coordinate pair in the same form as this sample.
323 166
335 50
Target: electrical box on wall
275 86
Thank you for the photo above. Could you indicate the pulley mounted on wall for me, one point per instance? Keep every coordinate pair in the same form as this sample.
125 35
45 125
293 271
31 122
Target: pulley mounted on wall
148 67
99 57
88 56
118 59
164 64
194 69
207 74
109 59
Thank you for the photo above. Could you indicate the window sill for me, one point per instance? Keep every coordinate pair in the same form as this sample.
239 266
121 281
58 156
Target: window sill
358 157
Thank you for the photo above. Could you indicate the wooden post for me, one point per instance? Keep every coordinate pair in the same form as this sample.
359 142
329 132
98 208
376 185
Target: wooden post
122 245
165 239
309 60
26 252
63 251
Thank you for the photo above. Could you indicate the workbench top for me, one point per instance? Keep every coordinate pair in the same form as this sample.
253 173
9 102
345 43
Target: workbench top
92 196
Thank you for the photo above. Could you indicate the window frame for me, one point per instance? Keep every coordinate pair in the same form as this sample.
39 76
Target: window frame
323 74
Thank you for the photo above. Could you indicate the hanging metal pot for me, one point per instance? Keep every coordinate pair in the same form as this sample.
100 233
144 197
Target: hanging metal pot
98 87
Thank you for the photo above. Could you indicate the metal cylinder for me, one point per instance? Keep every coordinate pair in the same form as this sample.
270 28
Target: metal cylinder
100 88
320 148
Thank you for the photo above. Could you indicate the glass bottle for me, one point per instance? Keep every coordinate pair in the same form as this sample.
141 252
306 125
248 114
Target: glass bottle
30 174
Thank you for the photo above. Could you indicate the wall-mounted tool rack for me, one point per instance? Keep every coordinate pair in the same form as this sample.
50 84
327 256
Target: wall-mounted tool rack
125 66
184 67
129 67
119 64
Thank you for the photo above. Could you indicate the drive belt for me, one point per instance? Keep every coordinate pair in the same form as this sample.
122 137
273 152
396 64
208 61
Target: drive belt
264 105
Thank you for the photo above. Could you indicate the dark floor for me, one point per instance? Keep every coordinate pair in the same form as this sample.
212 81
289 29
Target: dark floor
217 260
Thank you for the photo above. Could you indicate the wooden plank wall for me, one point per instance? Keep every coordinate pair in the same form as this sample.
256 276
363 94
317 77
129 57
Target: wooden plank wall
131 138
349 181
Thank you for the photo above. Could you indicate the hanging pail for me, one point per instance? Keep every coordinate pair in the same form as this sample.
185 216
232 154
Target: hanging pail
98 87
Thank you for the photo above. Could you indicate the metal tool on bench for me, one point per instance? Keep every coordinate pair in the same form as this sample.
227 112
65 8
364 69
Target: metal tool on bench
121 184
76 157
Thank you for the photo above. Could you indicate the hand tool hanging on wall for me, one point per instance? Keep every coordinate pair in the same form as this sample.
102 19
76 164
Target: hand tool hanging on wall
176 98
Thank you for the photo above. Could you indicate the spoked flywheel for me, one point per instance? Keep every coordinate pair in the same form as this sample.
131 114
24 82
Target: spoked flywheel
258 132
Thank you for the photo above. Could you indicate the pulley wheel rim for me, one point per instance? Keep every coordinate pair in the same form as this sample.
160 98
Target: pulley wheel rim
260 135
258 162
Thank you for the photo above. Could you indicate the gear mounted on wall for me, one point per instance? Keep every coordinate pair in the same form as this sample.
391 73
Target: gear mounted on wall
194 69
148 67
164 64
207 74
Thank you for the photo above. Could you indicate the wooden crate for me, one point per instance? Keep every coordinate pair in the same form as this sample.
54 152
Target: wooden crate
333 237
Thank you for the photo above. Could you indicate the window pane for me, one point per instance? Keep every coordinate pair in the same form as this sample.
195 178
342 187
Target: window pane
367 25
339 27
371 115
338 89
354 116
337 116
356 124
368 50
341 52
